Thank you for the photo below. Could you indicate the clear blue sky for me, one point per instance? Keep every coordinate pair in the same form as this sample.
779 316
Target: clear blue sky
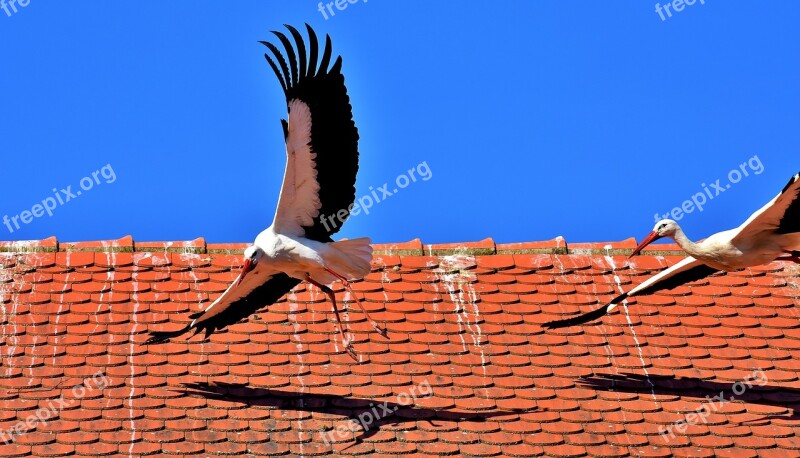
535 119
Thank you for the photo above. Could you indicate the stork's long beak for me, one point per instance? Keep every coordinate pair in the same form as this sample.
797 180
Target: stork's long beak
651 237
247 267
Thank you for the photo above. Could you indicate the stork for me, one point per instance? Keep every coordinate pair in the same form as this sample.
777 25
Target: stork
770 234
322 161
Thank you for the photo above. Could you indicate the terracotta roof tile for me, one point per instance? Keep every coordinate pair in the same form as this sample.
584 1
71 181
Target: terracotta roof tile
467 369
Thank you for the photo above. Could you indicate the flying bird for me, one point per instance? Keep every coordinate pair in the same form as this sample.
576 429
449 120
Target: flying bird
770 234
318 184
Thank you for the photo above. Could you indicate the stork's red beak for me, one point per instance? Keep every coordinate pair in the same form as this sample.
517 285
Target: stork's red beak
651 237
247 267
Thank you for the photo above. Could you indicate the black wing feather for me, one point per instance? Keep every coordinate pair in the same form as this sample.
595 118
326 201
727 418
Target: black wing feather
337 66
689 275
790 223
157 337
697 272
290 54
281 61
582 319
326 55
275 69
285 125
301 48
266 294
334 136
313 50
790 183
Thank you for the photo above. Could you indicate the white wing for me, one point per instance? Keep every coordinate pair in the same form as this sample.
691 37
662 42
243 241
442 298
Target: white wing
321 141
780 215
687 270
299 203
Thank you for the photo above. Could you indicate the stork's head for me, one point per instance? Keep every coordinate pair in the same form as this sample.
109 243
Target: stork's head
252 255
663 228
666 228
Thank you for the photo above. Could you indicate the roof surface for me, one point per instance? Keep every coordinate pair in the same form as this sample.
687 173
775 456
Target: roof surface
467 369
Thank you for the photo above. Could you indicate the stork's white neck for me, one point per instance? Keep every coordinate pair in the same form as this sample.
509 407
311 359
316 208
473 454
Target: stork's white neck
691 248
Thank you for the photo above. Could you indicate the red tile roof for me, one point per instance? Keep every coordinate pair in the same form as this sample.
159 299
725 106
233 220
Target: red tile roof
467 370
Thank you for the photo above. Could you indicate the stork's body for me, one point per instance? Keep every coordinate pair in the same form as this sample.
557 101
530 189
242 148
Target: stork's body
723 251
301 258
771 233
321 166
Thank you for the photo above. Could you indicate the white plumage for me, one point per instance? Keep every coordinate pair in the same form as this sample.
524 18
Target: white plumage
321 166
771 233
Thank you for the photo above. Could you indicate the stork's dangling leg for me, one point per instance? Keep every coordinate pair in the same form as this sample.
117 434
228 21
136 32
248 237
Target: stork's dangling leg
348 346
346 283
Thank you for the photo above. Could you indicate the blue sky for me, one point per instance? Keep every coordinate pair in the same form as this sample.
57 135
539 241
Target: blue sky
535 119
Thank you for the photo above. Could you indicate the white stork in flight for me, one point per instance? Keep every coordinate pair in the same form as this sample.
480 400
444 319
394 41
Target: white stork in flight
322 161
770 234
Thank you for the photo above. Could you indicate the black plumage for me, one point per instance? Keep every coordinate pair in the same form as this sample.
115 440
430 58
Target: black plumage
334 136
695 273
266 294
790 223
334 141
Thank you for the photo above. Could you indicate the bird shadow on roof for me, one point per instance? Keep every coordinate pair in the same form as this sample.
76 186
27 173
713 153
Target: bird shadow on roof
758 391
350 408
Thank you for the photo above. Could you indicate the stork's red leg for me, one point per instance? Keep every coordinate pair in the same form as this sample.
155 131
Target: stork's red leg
346 283
348 346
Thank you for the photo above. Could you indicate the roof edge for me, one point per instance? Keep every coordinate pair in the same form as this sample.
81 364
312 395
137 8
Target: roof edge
415 247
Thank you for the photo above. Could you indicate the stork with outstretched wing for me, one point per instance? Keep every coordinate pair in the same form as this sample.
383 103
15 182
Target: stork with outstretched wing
318 186
770 234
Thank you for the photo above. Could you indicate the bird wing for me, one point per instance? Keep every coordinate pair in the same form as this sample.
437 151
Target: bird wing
237 303
318 188
687 270
780 215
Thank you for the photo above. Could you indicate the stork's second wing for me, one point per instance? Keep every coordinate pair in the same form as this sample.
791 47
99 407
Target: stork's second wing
780 215
318 188
224 312
687 270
